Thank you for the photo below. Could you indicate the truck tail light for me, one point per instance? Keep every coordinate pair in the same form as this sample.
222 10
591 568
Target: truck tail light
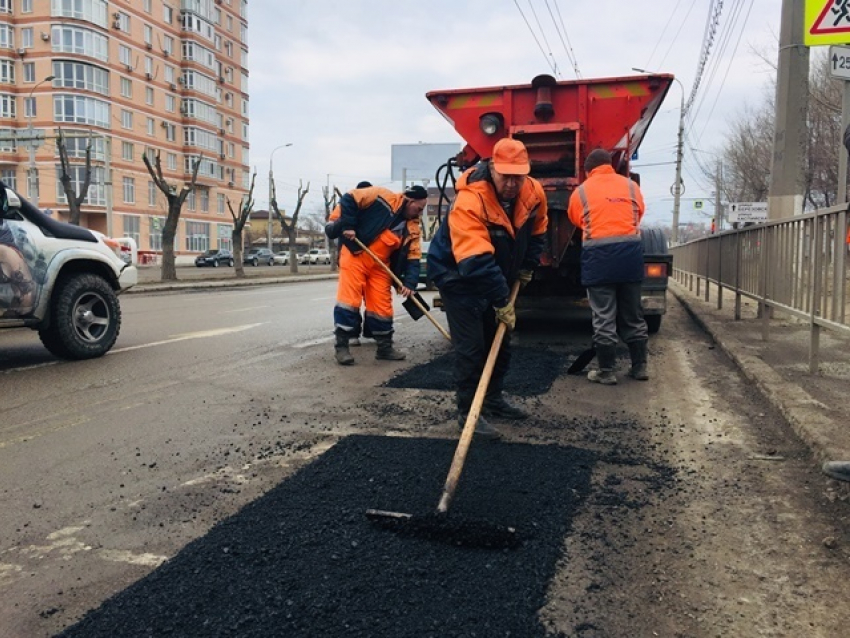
655 270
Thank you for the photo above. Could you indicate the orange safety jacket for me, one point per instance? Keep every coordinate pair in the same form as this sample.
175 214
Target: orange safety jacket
608 209
479 249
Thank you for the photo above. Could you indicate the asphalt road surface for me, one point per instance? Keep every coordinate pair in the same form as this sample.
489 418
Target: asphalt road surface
687 507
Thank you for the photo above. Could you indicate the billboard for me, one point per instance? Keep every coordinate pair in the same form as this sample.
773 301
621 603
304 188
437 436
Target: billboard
417 162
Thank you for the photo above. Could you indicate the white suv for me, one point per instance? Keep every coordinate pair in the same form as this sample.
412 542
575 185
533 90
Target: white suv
317 256
61 280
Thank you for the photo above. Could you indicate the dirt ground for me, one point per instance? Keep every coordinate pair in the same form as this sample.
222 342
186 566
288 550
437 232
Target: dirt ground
681 507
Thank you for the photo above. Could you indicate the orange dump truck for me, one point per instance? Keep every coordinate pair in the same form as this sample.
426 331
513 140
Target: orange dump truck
560 123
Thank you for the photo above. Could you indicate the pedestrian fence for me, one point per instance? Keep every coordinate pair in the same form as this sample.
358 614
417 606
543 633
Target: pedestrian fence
796 266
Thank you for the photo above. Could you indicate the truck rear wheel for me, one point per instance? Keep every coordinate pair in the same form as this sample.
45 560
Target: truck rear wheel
653 323
85 318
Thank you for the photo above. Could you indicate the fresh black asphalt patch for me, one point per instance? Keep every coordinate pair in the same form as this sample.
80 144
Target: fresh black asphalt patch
531 373
304 561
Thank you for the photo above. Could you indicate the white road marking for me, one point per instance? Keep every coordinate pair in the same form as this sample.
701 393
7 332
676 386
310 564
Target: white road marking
32 367
313 342
203 334
124 556
245 309
322 298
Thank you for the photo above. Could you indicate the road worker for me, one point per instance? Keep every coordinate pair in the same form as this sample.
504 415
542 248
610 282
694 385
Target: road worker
492 237
333 230
607 208
389 225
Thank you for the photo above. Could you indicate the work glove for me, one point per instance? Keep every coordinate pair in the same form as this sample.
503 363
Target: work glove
507 315
524 276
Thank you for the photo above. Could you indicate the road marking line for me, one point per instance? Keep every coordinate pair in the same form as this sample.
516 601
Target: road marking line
203 334
32 367
125 556
29 437
313 342
245 309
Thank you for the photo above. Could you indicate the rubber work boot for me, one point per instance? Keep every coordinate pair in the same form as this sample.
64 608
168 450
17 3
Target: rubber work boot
483 429
343 355
637 352
386 350
354 342
607 358
498 406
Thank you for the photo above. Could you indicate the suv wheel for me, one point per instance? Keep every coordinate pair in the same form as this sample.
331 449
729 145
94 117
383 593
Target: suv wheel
230 263
271 261
85 318
215 264
255 263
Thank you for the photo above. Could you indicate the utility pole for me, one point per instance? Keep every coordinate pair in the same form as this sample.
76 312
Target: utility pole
785 194
718 206
32 172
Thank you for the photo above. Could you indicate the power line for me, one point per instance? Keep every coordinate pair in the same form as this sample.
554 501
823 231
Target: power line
543 35
648 64
569 49
548 61
707 43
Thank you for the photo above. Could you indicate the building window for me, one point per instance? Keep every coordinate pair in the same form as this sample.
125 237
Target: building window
169 74
9 177
132 224
127 151
26 6
205 199
220 203
7 36
149 95
7 72
197 236
77 75
96 195
172 161
168 45
167 14
170 103
225 237
147 6
76 145
152 189
88 10
26 38
129 190
155 236
123 22
170 132
149 35
126 88
190 201
66 39
125 56
8 105
29 71
29 107
149 66
151 125
126 119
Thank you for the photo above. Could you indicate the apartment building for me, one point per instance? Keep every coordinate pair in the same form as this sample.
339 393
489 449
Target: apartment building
129 77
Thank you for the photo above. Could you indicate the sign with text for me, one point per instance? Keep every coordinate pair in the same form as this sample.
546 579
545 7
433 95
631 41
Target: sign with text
747 212
839 62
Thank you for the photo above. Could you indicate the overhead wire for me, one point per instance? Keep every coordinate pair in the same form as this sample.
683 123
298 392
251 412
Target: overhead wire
676 37
707 44
543 35
549 61
661 35
568 49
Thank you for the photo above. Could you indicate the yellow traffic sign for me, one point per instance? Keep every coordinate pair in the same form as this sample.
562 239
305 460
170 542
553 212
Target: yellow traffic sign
826 22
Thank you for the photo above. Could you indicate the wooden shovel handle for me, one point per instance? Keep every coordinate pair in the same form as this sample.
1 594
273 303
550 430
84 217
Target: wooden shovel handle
398 282
474 412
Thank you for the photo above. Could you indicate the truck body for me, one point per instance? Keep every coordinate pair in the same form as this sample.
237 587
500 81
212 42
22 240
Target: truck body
560 123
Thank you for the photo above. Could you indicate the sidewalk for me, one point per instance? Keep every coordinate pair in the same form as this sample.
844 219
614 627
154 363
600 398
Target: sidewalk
193 278
816 406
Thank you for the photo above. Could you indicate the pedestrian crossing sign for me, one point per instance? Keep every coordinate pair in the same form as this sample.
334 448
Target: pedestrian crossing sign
826 22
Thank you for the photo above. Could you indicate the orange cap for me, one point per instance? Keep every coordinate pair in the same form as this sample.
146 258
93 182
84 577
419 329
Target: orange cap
510 157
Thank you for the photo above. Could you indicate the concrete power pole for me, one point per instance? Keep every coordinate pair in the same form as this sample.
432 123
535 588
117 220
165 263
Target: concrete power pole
785 195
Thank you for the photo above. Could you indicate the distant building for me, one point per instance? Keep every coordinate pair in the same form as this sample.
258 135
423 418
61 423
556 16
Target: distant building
135 78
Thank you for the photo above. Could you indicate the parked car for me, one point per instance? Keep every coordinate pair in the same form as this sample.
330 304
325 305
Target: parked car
281 259
214 257
257 256
316 256
63 280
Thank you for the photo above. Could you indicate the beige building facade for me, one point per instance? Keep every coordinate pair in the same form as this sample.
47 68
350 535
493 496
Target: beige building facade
129 77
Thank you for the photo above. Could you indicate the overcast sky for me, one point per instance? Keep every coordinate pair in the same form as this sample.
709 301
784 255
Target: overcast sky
343 80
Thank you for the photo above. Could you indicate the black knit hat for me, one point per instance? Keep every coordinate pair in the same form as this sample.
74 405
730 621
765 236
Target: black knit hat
363 184
416 192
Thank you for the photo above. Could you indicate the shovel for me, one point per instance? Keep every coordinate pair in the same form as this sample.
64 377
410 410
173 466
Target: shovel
437 525
581 362
418 302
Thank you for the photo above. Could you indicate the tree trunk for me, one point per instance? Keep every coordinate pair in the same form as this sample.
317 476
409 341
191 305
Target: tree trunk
169 232
293 252
236 236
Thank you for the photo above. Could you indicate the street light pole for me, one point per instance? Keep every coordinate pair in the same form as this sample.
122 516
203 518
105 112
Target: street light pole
32 178
271 188
677 191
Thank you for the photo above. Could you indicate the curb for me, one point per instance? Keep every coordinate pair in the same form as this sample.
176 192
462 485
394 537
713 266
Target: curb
202 284
806 416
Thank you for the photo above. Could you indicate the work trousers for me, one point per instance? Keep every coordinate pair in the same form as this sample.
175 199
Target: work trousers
617 310
362 280
473 323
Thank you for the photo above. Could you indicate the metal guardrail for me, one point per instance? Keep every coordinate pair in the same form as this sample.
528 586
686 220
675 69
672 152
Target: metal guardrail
796 266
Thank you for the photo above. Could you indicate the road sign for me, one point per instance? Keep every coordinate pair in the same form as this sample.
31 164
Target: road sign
746 212
826 22
839 62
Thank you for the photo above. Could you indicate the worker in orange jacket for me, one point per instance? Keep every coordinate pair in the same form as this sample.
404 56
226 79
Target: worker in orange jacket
389 224
493 236
608 208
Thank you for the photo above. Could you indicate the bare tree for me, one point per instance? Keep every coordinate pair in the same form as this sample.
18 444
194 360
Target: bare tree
239 222
289 227
175 207
75 200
